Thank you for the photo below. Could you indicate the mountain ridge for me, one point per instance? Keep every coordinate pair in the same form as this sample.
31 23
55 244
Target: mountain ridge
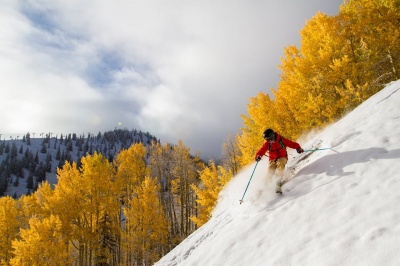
39 159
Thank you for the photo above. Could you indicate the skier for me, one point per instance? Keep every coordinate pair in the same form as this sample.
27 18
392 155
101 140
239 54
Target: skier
276 145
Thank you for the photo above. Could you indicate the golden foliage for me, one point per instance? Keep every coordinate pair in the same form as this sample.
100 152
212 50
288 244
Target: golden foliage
213 180
147 226
8 227
341 62
43 243
81 220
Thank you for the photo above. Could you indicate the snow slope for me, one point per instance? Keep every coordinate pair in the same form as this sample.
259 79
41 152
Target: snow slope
342 206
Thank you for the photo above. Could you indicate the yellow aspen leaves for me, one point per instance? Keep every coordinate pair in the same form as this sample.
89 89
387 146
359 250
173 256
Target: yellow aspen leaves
342 60
8 227
213 180
43 244
146 223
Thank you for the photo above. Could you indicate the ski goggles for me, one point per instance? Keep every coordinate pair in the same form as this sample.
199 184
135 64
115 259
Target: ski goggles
270 137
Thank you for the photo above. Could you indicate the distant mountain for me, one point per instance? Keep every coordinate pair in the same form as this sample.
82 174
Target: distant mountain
26 162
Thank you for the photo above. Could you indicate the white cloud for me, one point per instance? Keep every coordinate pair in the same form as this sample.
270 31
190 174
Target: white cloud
182 70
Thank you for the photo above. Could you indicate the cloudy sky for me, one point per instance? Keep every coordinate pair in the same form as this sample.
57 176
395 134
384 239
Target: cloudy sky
177 69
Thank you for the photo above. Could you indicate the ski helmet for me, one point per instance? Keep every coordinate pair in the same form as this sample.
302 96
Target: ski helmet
269 134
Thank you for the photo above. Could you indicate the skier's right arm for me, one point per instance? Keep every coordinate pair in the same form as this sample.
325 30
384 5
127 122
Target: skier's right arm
261 152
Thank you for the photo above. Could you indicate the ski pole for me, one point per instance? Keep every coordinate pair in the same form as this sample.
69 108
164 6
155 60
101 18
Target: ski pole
248 183
320 149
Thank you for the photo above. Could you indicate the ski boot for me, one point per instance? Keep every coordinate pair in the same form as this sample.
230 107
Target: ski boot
278 188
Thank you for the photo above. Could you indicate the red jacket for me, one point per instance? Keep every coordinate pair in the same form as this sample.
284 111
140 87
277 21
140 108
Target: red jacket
276 149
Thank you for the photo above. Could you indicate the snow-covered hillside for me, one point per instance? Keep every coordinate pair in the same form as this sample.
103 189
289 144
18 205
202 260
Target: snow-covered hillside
71 148
342 206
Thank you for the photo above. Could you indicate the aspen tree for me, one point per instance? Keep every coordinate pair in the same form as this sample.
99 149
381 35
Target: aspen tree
261 111
306 89
92 192
131 167
185 173
375 38
27 207
131 171
43 200
147 223
213 180
231 154
161 165
342 61
8 228
43 244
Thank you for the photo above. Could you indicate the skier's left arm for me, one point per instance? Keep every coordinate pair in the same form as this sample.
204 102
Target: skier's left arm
293 145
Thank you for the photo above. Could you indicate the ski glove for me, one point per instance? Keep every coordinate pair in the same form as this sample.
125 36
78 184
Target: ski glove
299 150
258 158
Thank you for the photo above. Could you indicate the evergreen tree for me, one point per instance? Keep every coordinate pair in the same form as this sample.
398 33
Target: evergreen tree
108 241
28 138
3 183
29 181
58 154
16 182
14 151
70 146
43 149
7 148
37 158
40 173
